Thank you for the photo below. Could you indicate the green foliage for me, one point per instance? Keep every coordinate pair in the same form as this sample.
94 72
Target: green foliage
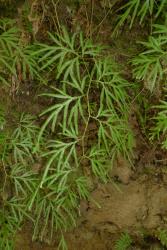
81 78
2 119
124 242
143 109
26 10
150 65
79 71
17 62
23 139
86 121
60 154
62 245
72 101
139 9
66 55
161 234
22 180
63 103
114 133
19 181
7 231
99 163
9 38
57 201
55 196
160 128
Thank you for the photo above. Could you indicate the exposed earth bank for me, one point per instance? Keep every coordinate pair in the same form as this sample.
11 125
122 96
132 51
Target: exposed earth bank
137 207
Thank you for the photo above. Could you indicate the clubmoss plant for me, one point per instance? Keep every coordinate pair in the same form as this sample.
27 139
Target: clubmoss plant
86 122
85 72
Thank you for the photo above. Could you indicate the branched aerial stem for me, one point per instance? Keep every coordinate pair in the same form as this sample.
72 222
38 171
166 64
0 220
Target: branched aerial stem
89 113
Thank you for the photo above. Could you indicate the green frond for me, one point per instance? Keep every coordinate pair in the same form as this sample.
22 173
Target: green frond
150 65
82 187
114 131
57 201
65 56
2 119
62 244
66 106
59 156
100 164
23 180
18 209
8 231
24 59
86 119
124 242
23 139
161 234
160 127
16 59
113 86
139 10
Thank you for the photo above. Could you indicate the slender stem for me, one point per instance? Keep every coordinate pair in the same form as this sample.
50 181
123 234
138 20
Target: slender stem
87 122
58 23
